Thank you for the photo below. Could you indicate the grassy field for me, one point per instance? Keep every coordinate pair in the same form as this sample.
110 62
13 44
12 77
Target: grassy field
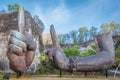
62 78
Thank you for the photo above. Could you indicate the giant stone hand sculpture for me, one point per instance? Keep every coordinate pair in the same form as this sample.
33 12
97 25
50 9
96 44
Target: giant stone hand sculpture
20 50
21 46
102 60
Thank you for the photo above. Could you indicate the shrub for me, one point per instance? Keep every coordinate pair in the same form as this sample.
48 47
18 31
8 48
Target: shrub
117 57
72 51
117 52
90 51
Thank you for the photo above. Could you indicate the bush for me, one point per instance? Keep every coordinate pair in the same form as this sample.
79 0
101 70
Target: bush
90 51
72 51
116 62
117 44
117 52
47 67
117 57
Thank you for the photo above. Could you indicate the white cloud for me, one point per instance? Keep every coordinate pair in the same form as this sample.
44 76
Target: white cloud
91 13
57 16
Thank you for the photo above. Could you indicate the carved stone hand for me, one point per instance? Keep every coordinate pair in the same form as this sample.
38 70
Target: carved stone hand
21 50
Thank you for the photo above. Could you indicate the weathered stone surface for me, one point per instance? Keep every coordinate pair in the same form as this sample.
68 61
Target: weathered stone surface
10 22
4 63
102 60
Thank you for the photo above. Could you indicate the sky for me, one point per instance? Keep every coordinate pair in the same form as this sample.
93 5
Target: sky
68 15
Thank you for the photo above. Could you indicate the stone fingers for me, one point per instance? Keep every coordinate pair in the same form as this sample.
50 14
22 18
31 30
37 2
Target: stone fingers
31 44
18 35
29 57
18 43
15 49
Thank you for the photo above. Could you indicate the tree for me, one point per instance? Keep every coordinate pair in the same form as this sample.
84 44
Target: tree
112 28
73 36
39 22
64 38
67 38
13 8
115 28
86 33
71 51
105 28
61 39
93 32
83 34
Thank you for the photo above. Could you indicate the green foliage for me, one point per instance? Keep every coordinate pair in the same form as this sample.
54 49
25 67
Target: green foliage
4 79
47 67
39 22
83 34
90 51
117 61
117 52
93 32
13 8
111 28
72 51
93 46
117 44
43 56
73 35
64 39
117 57
1 77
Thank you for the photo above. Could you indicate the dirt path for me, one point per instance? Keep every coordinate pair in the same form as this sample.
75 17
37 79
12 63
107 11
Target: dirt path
62 78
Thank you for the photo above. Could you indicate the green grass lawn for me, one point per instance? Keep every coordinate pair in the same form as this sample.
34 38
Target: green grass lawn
62 78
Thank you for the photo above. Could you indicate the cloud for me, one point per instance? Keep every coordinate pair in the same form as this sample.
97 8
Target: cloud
89 13
66 17
93 13
57 15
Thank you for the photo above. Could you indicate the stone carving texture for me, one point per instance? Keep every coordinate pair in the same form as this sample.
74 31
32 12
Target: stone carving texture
21 49
21 46
102 60
10 22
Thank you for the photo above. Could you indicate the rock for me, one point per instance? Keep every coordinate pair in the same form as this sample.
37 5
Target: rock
10 22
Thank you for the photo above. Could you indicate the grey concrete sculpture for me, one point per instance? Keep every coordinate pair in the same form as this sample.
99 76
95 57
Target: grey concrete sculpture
21 46
102 60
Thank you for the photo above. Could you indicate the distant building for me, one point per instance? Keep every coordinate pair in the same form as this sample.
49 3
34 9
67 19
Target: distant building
47 39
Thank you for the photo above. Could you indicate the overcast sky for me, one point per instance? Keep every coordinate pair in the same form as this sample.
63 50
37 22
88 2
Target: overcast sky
67 15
